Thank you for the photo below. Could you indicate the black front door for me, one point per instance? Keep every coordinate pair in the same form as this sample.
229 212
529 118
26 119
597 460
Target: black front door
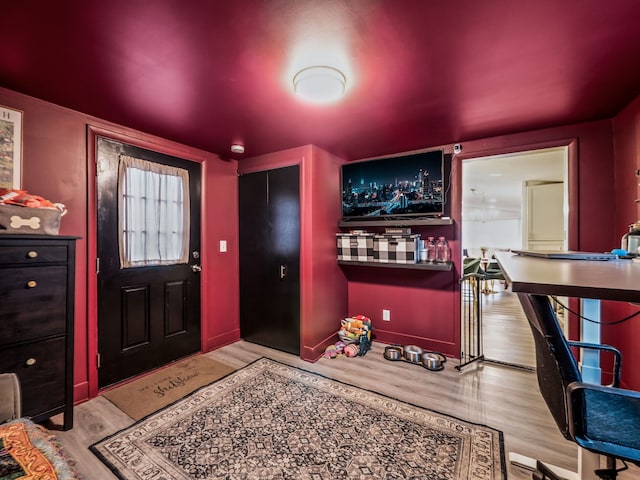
148 316
269 208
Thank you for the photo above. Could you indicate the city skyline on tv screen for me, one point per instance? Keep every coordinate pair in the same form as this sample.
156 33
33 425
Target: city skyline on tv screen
407 185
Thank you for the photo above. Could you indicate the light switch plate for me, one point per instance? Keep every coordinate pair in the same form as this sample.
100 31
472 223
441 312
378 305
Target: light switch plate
223 246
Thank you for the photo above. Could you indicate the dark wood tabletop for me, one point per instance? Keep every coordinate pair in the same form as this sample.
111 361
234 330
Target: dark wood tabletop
604 280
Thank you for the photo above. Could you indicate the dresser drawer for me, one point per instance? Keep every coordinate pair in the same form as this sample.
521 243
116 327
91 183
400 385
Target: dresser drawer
40 367
34 302
30 254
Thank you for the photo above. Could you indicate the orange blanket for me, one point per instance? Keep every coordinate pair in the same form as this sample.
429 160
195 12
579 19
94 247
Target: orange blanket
29 452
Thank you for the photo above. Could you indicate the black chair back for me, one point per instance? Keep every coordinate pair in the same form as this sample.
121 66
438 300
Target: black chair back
556 367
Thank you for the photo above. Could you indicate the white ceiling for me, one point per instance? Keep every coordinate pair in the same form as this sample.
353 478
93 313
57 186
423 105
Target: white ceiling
493 186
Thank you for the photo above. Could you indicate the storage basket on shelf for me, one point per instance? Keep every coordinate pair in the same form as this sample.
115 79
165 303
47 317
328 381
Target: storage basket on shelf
388 248
21 212
355 247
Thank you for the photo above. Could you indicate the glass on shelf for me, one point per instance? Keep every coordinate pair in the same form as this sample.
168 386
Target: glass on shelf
430 246
443 253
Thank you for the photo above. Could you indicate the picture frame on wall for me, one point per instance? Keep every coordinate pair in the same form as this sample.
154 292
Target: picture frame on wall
10 148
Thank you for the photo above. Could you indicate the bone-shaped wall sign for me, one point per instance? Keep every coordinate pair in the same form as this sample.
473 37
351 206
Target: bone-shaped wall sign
17 222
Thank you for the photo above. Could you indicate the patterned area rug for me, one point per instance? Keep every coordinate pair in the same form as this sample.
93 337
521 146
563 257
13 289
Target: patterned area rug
272 421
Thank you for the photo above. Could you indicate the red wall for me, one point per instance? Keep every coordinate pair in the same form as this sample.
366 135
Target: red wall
421 303
626 140
324 286
220 280
55 165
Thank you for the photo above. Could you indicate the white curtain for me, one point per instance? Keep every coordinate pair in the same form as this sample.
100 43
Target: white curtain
153 213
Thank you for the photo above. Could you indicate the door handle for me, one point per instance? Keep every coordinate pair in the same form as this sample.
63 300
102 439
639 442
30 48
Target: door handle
196 268
283 271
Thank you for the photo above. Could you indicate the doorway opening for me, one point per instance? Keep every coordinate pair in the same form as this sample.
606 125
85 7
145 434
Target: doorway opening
512 201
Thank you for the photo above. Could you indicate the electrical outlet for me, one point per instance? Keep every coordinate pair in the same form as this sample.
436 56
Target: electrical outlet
386 315
223 246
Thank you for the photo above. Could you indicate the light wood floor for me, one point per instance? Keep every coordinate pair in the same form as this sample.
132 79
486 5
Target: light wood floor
505 329
501 397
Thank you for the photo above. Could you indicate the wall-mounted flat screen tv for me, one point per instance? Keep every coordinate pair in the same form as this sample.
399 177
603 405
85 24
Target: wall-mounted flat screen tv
400 186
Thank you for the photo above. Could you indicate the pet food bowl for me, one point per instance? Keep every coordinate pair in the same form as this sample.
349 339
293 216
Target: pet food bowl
433 361
413 353
393 352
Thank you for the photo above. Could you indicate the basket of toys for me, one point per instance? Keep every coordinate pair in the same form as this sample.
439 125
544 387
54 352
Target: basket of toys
355 338
356 330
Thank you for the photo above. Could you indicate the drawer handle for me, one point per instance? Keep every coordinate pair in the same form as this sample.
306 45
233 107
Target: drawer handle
30 362
32 254
32 284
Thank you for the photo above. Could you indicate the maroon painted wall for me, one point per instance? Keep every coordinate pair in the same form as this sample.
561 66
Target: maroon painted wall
55 166
421 303
626 140
220 280
324 287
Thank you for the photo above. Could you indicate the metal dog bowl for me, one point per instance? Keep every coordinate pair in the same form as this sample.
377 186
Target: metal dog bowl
433 361
413 353
393 352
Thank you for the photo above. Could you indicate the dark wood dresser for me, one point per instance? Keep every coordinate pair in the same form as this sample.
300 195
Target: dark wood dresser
37 275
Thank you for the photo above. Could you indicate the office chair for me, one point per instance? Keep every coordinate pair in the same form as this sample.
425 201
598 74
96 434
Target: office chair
602 419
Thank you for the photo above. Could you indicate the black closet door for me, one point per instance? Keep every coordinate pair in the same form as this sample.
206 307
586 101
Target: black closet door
269 208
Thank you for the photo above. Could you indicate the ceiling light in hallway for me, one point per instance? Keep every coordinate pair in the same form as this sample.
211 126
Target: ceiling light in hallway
320 84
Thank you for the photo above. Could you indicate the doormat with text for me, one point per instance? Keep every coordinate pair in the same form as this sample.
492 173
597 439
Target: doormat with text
152 392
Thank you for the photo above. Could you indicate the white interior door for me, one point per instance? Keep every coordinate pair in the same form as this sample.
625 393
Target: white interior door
544 222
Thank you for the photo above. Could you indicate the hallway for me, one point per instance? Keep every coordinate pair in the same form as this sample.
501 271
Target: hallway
505 330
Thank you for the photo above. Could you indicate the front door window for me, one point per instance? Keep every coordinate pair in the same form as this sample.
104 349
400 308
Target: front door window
153 213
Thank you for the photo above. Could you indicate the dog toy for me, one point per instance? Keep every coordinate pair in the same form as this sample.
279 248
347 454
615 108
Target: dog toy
330 352
351 350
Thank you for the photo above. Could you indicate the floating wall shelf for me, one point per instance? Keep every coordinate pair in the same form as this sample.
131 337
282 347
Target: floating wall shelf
443 267
355 224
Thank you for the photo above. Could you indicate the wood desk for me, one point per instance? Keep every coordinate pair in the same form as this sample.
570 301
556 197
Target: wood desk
591 281
603 280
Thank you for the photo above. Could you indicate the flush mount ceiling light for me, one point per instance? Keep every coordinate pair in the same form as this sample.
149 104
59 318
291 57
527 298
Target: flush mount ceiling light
237 148
320 84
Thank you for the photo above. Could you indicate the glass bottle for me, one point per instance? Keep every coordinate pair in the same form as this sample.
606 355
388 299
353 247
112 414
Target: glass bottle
442 250
431 249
